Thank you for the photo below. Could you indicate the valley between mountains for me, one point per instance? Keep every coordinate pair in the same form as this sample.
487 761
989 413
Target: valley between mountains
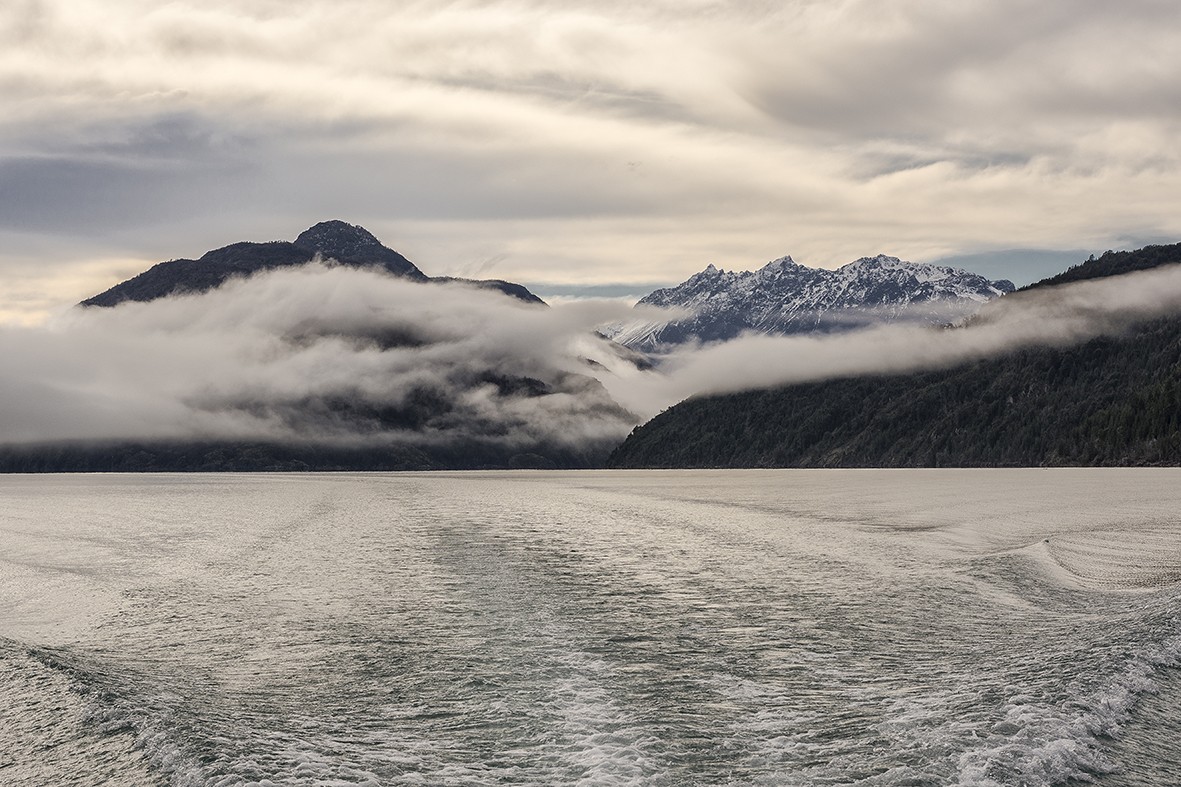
335 352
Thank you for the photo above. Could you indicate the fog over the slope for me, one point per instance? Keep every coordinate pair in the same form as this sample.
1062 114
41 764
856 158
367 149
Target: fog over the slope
340 355
315 353
1061 315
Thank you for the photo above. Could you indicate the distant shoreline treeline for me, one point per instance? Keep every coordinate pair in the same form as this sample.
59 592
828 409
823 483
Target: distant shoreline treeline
148 456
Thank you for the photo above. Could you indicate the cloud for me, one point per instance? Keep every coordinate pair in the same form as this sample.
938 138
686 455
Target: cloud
315 354
354 358
586 143
1057 316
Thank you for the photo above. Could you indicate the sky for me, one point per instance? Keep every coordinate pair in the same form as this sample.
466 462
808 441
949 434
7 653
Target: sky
584 147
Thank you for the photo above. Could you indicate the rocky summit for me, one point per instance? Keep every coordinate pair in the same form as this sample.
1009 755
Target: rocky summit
345 242
784 297
338 241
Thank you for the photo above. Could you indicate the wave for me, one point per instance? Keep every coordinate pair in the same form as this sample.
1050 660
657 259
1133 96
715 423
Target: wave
1040 744
51 732
1127 559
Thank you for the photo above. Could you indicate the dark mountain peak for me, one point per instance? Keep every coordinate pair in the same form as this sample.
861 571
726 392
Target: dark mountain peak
518 291
352 244
348 244
338 239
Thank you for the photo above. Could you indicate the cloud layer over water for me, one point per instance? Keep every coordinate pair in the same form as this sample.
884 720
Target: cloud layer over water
348 357
315 354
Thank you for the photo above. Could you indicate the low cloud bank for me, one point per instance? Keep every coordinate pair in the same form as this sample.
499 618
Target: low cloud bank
320 354
355 358
1052 316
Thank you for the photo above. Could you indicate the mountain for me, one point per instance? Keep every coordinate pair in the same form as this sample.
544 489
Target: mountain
347 244
351 244
784 297
1113 263
382 377
1114 400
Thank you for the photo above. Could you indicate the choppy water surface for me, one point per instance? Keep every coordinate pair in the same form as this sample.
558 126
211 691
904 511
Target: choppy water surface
663 628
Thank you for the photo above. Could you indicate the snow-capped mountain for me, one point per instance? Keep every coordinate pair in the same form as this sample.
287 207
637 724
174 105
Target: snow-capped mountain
784 297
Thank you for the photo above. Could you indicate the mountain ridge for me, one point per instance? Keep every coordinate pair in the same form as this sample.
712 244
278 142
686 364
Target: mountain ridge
1112 401
784 297
346 244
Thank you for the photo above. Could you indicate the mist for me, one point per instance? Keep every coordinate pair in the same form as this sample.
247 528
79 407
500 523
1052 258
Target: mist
346 357
1062 315
319 353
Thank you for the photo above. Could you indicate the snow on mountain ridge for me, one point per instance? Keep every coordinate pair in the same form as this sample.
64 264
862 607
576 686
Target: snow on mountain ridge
785 297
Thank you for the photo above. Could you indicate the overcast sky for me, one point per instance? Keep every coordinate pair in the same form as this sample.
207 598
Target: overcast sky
562 143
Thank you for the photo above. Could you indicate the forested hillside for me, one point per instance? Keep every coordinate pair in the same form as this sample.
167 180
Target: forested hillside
206 456
1110 401
1115 263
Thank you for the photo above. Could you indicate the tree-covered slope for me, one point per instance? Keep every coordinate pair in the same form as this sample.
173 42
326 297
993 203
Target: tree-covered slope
147 456
1110 401
1115 263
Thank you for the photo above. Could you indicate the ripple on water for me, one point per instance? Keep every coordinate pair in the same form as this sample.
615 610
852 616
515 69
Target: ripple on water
519 629
1136 558
50 734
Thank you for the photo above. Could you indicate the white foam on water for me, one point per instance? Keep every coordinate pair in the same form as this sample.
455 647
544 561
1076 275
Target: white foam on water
1039 744
788 735
598 741
798 645
46 734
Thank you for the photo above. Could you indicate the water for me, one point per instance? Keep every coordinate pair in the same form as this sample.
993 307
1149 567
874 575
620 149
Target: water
657 628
